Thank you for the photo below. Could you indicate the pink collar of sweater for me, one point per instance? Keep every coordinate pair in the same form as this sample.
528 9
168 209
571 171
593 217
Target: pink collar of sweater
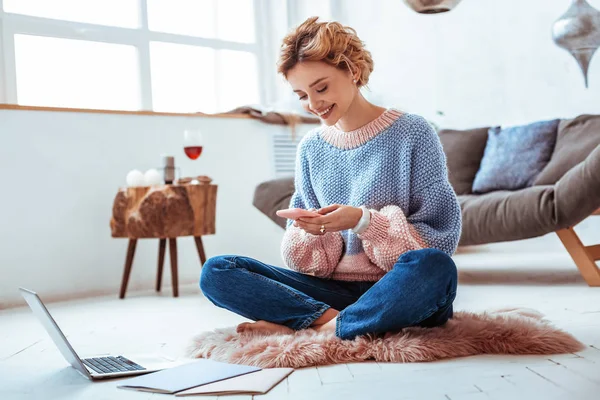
360 136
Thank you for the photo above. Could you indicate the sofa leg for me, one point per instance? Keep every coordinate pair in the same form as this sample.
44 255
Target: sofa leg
585 257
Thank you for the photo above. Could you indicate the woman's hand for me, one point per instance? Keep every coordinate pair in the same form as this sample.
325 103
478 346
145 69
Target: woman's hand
336 217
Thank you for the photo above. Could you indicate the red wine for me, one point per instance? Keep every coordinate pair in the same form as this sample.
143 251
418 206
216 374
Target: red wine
193 152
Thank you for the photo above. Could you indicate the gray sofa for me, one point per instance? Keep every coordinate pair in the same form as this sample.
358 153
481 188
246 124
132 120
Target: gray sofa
564 193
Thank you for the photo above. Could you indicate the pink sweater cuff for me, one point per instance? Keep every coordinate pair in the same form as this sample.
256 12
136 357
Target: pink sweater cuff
316 255
388 236
378 228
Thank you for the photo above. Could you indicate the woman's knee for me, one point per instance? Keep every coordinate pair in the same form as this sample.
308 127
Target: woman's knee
432 264
208 279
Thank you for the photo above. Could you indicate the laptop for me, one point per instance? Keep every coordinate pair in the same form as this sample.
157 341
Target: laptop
94 368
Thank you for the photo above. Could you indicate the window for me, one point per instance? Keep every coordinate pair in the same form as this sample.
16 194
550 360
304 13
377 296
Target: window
187 17
123 13
162 55
204 18
236 78
188 78
182 77
76 73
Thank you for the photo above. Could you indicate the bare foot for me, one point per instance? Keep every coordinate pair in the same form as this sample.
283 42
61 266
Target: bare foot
264 327
326 327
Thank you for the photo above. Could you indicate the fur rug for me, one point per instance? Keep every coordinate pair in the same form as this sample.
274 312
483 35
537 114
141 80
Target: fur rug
508 331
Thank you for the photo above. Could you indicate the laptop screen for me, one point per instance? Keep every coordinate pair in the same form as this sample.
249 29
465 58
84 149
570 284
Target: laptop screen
43 315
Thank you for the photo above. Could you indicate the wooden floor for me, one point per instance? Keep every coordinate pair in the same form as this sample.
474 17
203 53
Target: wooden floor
493 276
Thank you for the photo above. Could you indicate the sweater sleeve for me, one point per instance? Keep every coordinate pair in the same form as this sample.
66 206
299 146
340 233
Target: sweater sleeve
301 251
433 218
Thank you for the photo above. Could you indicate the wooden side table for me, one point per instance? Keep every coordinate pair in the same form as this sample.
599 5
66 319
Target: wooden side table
585 257
163 212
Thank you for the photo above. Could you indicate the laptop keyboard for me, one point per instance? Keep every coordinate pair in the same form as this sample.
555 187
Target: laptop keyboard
109 365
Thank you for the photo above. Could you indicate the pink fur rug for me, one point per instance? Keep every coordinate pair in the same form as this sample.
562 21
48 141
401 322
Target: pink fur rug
508 331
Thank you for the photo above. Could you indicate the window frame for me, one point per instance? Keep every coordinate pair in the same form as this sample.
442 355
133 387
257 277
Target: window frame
13 24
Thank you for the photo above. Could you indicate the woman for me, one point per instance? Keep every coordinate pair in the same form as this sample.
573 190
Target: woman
378 258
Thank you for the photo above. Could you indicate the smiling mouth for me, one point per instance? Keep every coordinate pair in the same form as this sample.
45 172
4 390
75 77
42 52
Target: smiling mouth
325 113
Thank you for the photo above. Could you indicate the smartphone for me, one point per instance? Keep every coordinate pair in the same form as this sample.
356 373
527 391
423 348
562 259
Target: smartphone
295 213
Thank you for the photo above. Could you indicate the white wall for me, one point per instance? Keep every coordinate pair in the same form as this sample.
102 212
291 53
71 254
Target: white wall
486 62
61 172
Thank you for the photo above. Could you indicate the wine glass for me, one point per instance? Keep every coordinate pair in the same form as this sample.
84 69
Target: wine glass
192 145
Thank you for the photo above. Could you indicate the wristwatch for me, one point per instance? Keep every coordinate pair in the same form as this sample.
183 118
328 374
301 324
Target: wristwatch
364 221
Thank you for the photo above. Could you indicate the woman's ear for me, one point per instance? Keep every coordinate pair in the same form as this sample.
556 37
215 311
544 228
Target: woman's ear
356 75
353 73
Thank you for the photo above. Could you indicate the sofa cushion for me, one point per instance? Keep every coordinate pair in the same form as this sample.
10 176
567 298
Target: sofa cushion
464 150
576 138
505 215
273 195
514 156
577 193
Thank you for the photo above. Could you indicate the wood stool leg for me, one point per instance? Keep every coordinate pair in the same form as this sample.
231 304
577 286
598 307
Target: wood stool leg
200 247
128 264
584 256
173 254
162 244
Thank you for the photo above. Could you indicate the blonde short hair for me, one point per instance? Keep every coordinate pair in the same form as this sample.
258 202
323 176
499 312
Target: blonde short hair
331 42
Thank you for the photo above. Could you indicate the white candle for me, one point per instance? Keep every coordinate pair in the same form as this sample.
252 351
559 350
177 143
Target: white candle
135 178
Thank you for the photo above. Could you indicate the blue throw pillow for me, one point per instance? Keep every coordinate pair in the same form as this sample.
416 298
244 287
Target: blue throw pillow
514 156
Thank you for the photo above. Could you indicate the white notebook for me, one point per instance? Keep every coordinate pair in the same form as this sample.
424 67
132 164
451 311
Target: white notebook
259 382
177 379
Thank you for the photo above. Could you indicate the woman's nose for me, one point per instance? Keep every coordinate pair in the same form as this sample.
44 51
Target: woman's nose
313 104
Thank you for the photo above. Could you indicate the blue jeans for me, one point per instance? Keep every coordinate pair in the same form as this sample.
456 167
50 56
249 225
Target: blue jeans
418 291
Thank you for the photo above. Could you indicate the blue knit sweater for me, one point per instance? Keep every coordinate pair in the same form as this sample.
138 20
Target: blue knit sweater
396 167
